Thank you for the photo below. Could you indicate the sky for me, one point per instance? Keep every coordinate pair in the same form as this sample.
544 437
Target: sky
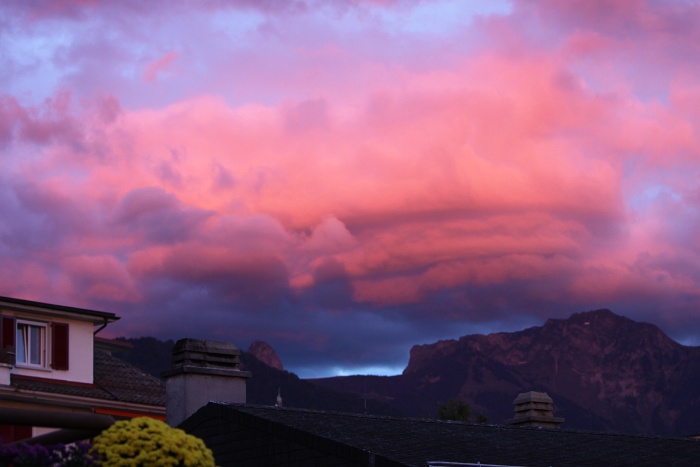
344 179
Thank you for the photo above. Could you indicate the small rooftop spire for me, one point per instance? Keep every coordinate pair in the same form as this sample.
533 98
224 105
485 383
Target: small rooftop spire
279 398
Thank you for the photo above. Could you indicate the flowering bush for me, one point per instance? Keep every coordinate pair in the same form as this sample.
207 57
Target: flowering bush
144 441
22 454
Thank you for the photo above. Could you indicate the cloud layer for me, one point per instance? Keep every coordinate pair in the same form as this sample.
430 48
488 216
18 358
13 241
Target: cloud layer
346 179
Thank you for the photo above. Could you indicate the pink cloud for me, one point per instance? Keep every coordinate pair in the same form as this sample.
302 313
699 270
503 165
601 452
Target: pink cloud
347 170
248 277
51 121
306 116
72 9
623 18
100 278
582 43
159 66
10 111
391 173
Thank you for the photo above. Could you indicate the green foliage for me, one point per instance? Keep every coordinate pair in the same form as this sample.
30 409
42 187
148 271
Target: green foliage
143 441
458 410
454 409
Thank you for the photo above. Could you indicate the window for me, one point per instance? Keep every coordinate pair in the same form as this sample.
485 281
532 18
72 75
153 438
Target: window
30 344
34 344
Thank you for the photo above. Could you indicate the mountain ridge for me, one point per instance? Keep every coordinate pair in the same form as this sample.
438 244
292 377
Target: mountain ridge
269 378
605 372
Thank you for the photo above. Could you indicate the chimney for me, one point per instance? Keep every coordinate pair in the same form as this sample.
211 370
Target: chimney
534 409
202 371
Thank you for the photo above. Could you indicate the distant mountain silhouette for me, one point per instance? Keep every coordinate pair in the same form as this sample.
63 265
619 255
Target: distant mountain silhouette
605 372
154 356
266 354
148 353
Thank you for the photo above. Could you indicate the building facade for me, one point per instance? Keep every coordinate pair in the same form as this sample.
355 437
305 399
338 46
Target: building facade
50 362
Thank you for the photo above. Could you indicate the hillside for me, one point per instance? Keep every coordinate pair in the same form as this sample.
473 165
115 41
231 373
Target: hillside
604 372
154 356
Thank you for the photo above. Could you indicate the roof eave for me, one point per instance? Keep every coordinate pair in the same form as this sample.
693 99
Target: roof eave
57 311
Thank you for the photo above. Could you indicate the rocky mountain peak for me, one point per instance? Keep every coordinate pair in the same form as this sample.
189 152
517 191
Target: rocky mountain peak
596 362
266 354
602 320
604 330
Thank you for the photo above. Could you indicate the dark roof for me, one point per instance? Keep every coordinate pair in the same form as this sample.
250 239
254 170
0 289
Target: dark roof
24 305
114 380
127 383
111 345
28 383
390 441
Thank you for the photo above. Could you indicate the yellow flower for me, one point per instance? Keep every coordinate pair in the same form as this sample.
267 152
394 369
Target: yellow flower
144 441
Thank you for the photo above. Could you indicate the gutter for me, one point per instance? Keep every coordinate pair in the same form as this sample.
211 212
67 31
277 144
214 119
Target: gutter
104 325
79 402
465 464
61 436
72 426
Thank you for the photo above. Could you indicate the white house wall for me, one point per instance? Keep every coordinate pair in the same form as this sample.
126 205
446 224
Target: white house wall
80 353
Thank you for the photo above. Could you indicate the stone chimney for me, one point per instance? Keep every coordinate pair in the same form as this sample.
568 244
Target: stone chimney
202 371
534 409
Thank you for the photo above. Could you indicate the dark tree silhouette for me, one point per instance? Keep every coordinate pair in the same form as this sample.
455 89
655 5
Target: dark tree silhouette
454 409
458 410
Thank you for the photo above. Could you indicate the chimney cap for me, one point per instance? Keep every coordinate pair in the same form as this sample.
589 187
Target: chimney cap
205 356
534 409
533 396
205 345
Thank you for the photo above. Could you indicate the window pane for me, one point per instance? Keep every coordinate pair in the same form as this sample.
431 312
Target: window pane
30 344
20 345
35 345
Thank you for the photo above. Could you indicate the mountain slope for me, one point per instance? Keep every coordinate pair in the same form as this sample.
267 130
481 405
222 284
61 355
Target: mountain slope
154 356
604 372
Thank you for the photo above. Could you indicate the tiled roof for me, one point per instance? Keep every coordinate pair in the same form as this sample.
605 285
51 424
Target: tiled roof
114 380
24 383
416 442
127 383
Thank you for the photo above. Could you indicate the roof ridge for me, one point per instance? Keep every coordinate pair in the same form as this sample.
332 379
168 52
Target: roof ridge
443 422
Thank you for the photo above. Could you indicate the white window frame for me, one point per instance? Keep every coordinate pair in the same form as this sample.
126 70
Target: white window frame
25 339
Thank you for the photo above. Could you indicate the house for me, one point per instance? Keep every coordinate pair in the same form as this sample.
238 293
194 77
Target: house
52 363
247 435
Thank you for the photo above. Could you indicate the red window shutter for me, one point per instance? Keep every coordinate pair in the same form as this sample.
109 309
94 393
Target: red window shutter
7 336
6 434
59 346
12 433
